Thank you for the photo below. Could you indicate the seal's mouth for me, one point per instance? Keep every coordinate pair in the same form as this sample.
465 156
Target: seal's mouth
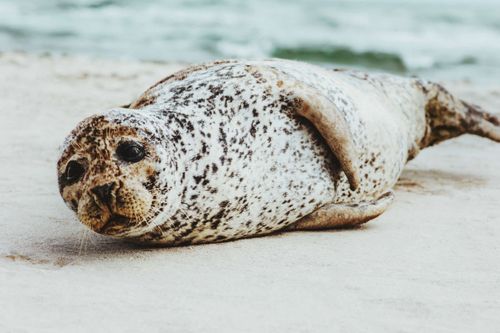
116 209
110 221
114 223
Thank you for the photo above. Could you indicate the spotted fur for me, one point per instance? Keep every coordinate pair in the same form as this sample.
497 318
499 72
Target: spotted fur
229 156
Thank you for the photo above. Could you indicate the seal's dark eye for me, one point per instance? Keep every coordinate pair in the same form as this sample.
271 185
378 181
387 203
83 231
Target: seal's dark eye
74 171
130 151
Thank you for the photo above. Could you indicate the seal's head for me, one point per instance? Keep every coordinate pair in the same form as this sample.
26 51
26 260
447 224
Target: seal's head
110 173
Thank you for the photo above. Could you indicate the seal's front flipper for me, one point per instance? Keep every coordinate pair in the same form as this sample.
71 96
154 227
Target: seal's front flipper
448 117
344 215
332 126
313 105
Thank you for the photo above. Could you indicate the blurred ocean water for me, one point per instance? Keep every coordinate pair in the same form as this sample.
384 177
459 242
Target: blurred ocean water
454 39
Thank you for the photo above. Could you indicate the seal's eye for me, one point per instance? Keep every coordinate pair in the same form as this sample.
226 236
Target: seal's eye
74 171
130 151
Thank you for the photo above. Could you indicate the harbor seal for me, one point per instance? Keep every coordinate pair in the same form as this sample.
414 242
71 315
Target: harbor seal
234 149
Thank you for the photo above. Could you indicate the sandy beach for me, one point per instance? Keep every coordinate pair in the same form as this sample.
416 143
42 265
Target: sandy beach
430 264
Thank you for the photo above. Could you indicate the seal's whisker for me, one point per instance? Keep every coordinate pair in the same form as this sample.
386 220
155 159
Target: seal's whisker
82 239
160 230
91 239
157 227
87 239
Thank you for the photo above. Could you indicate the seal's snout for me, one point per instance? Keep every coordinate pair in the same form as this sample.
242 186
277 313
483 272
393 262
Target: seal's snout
104 192
110 207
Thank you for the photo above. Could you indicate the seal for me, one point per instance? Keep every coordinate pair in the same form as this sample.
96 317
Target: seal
234 149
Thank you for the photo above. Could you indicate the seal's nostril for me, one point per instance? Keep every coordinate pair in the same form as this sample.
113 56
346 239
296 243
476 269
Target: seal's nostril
103 192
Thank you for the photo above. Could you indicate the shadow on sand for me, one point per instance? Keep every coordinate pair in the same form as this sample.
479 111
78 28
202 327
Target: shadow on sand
76 245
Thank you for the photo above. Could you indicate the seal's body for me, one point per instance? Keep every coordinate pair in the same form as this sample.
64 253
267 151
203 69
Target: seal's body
241 148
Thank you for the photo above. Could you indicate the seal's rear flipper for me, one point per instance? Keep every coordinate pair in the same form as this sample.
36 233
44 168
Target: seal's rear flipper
482 123
448 117
344 215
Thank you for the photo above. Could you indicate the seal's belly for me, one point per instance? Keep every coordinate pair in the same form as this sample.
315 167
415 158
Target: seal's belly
283 171
268 171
